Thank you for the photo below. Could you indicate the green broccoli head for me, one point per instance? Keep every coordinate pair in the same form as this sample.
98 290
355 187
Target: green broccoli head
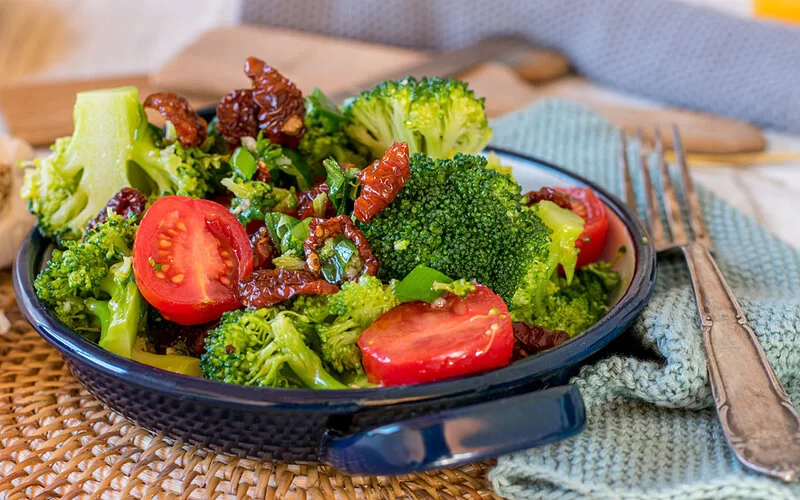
73 184
90 285
171 169
113 146
435 116
325 136
339 319
577 306
266 348
353 309
362 300
464 220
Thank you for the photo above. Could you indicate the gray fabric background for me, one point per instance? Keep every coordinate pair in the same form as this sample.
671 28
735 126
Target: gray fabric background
668 51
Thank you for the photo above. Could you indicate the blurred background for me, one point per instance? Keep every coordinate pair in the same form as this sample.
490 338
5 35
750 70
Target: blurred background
49 39
725 70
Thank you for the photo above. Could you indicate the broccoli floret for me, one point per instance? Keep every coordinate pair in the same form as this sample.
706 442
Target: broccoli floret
113 146
253 200
173 169
263 348
90 285
91 288
464 220
325 135
339 319
435 116
565 228
579 305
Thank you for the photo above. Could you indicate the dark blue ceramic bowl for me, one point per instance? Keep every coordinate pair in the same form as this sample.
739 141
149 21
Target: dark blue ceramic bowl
372 431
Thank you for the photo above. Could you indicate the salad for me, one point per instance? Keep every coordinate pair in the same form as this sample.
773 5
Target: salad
293 243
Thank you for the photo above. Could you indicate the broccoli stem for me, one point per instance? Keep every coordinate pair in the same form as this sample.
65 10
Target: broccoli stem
304 362
120 317
185 365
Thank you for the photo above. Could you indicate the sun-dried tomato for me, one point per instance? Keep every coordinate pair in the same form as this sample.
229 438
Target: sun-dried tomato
128 201
237 116
323 229
263 250
579 207
189 126
267 287
281 106
563 200
305 202
381 181
530 339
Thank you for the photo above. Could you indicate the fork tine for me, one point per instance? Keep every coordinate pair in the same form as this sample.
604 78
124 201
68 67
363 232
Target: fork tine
627 187
651 202
671 205
696 221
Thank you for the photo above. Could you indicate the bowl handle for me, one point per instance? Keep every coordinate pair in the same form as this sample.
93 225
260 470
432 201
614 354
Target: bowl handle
461 435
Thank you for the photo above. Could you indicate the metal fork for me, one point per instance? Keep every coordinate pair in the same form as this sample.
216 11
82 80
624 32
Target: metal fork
757 417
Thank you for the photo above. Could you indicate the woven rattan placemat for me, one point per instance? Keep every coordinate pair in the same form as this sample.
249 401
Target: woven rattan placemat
58 441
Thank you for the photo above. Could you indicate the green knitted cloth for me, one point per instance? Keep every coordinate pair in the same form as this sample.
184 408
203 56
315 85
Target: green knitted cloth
651 429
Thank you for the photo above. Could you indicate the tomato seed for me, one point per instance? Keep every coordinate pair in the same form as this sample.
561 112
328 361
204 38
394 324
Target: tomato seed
225 281
160 275
181 226
163 243
177 278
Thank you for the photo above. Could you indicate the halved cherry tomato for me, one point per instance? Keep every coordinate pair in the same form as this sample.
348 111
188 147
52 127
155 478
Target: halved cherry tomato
418 342
595 228
188 257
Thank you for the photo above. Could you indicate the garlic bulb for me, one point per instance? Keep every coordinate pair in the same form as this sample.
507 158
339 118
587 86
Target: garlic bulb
15 220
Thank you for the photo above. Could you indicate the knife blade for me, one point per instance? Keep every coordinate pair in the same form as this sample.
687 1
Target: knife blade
442 64
445 64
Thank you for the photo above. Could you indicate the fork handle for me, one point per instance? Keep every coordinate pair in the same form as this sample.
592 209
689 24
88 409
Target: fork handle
757 417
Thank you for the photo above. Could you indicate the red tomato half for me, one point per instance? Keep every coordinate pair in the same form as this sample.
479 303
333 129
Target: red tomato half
592 240
415 342
187 258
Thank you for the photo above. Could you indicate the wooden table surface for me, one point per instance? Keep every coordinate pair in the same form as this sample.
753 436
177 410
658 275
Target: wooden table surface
45 40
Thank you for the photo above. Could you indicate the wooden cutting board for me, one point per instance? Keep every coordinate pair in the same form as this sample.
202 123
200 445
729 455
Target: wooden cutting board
212 65
42 112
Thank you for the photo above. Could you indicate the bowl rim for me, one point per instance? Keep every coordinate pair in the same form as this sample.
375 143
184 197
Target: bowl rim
202 390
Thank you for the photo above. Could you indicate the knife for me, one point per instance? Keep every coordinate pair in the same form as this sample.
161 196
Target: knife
446 64
442 64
